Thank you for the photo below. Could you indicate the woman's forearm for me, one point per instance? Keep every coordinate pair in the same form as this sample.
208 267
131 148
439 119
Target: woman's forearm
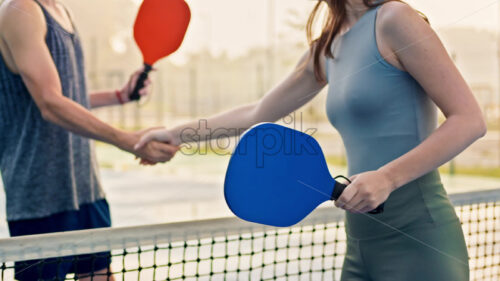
227 124
449 140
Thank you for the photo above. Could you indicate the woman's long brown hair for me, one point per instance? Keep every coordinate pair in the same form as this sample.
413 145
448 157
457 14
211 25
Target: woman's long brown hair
332 26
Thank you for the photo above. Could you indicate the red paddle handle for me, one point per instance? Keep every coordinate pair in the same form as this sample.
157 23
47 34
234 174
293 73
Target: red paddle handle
339 188
135 96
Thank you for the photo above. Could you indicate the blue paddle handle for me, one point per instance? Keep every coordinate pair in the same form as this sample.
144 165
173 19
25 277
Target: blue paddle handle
339 188
140 83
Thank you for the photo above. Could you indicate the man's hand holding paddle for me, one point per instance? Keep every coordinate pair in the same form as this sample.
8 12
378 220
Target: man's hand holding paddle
123 94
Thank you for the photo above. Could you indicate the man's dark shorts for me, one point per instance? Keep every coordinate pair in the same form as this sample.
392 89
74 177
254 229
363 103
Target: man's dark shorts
94 215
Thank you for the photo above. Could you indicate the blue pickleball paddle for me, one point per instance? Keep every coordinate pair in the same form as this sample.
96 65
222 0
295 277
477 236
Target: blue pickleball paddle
277 176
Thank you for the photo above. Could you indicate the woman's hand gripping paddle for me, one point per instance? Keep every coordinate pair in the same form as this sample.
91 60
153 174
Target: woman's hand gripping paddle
277 176
159 30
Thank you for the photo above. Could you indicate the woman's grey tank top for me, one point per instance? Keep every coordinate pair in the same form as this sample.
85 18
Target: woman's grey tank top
382 113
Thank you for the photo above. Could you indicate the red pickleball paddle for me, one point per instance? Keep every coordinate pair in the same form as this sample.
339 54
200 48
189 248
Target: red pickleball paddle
159 30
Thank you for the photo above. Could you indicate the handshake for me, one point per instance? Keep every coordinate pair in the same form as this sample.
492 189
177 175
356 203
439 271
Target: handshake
151 146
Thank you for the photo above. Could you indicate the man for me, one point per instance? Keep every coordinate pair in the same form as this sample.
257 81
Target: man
47 163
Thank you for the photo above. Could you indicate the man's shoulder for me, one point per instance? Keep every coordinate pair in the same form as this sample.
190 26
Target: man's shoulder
13 12
16 7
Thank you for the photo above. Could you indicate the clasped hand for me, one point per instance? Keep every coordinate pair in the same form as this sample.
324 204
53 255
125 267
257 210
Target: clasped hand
150 150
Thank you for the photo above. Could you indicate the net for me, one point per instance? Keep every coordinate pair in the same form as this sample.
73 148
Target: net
230 249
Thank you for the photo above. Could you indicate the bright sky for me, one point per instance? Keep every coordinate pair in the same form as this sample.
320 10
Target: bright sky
236 25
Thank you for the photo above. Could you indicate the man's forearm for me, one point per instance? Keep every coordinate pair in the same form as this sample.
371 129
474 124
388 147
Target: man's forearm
104 98
76 119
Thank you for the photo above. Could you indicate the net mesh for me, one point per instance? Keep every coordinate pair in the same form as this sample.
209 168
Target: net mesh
305 252
227 249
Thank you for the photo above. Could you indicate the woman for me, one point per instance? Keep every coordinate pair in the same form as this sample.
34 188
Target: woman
387 71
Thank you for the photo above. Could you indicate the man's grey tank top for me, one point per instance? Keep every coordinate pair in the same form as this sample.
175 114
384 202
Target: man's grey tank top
382 113
45 169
